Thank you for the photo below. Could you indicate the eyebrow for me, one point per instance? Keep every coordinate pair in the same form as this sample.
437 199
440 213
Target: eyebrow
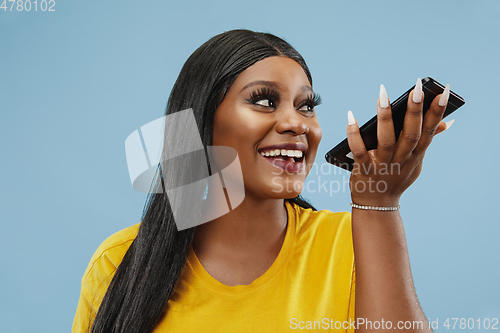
271 84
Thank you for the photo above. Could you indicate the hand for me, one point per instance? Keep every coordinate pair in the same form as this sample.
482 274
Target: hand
380 176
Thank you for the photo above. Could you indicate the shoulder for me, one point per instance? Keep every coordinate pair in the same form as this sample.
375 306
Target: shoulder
99 273
110 253
322 219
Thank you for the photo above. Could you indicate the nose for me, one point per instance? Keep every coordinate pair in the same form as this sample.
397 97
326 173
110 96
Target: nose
289 120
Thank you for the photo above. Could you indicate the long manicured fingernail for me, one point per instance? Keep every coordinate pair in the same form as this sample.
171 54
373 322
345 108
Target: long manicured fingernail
417 92
384 100
449 123
444 97
350 118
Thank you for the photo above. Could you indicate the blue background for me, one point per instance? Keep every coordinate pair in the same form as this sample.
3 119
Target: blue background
76 82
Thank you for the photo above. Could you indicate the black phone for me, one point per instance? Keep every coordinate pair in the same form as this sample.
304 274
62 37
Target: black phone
341 155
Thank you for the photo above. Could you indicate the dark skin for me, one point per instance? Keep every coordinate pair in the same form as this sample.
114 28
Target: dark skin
384 283
239 247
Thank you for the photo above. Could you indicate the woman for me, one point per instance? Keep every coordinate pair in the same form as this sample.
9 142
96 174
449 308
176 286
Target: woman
273 263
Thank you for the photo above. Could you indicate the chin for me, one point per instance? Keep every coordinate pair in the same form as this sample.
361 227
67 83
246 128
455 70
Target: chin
285 188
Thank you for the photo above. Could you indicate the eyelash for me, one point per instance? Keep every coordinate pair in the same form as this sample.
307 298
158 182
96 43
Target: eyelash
272 95
311 101
264 93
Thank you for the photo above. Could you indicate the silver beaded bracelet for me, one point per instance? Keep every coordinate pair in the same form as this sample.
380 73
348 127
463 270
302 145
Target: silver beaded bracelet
353 205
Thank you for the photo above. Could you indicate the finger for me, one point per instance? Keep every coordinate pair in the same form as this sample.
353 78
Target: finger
412 126
443 126
355 141
385 128
432 120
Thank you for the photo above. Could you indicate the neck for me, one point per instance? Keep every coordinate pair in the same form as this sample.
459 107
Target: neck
253 226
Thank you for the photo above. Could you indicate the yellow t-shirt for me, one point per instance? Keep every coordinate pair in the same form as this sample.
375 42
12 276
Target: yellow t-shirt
309 286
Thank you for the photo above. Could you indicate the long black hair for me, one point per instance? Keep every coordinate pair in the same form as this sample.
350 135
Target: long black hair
137 296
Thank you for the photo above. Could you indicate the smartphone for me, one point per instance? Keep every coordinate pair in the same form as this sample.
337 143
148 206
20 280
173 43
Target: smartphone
341 155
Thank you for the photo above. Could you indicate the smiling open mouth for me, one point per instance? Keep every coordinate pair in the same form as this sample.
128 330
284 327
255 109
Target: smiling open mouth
288 160
283 154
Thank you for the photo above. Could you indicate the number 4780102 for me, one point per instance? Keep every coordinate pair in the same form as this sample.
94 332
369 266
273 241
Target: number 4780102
28 5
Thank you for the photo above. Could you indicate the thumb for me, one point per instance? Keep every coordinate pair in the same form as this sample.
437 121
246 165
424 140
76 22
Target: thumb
444 126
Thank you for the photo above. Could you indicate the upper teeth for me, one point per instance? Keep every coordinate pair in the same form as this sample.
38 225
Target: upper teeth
282 152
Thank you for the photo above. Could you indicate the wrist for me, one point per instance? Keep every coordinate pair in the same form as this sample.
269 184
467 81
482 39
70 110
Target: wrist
376 208
379 201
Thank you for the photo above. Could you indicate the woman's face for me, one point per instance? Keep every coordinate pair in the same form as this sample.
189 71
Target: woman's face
269 110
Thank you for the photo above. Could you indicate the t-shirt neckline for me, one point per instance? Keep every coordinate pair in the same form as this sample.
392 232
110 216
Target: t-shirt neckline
210 282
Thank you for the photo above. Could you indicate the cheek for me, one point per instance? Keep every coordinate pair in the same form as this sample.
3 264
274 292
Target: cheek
318 134
315 135
238 127
316 130
314 138
226 131
221 129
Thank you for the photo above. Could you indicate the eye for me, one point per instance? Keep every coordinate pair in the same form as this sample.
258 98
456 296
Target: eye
266 102
309 103
306 108
265 97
